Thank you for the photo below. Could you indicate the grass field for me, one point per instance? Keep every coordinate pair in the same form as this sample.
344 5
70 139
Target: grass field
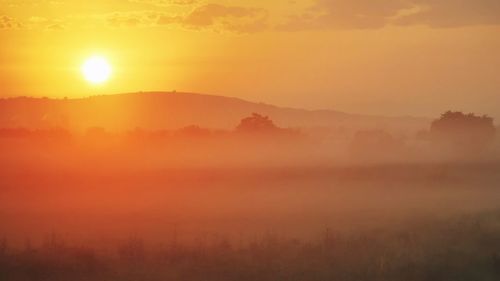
461 248
382 222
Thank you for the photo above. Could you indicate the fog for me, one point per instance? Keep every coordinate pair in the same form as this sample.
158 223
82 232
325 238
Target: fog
113 186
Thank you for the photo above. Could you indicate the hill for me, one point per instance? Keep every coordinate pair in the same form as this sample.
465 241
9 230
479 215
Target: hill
170 110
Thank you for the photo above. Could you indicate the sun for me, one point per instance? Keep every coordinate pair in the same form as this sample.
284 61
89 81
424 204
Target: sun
96 70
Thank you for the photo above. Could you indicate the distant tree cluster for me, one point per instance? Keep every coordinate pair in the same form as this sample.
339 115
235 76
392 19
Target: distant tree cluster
256 123
261 124
464 131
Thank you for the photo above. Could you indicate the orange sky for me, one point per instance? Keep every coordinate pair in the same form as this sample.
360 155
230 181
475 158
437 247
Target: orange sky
416 57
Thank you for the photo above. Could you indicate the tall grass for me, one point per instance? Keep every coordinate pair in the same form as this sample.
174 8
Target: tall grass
464 248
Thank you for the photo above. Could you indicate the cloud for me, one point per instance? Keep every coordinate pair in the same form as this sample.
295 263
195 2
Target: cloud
131 19
321 15
7 22
213 17
226 18
219 18
370 14
210 17
164 3
45 23
345 14
454 13
28 3
140 19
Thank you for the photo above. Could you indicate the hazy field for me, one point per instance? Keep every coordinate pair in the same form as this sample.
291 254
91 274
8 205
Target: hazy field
118 211
297 202
376 223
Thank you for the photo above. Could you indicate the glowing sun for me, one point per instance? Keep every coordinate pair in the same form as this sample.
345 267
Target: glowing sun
96 70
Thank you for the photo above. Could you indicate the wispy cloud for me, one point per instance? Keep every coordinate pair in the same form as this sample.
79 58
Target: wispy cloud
212 17
7 22
45 23
230 18
454 13
369 14
165 3
132 19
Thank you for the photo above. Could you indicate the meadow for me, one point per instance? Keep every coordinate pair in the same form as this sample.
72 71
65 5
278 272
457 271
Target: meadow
116 209
463 248
376 223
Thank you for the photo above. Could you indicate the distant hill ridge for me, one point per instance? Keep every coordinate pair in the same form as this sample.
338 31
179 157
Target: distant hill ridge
173 110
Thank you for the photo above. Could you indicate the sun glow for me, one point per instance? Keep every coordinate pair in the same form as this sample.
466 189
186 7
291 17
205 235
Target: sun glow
96 70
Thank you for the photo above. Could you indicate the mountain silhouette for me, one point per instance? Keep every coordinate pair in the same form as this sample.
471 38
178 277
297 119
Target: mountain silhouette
172 110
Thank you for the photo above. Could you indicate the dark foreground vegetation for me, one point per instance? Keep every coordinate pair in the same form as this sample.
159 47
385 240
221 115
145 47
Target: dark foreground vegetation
466 247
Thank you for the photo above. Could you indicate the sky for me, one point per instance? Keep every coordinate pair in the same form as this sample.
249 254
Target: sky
387 57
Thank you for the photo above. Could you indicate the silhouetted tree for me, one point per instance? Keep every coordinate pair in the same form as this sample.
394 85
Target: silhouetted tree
257 123
463 131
